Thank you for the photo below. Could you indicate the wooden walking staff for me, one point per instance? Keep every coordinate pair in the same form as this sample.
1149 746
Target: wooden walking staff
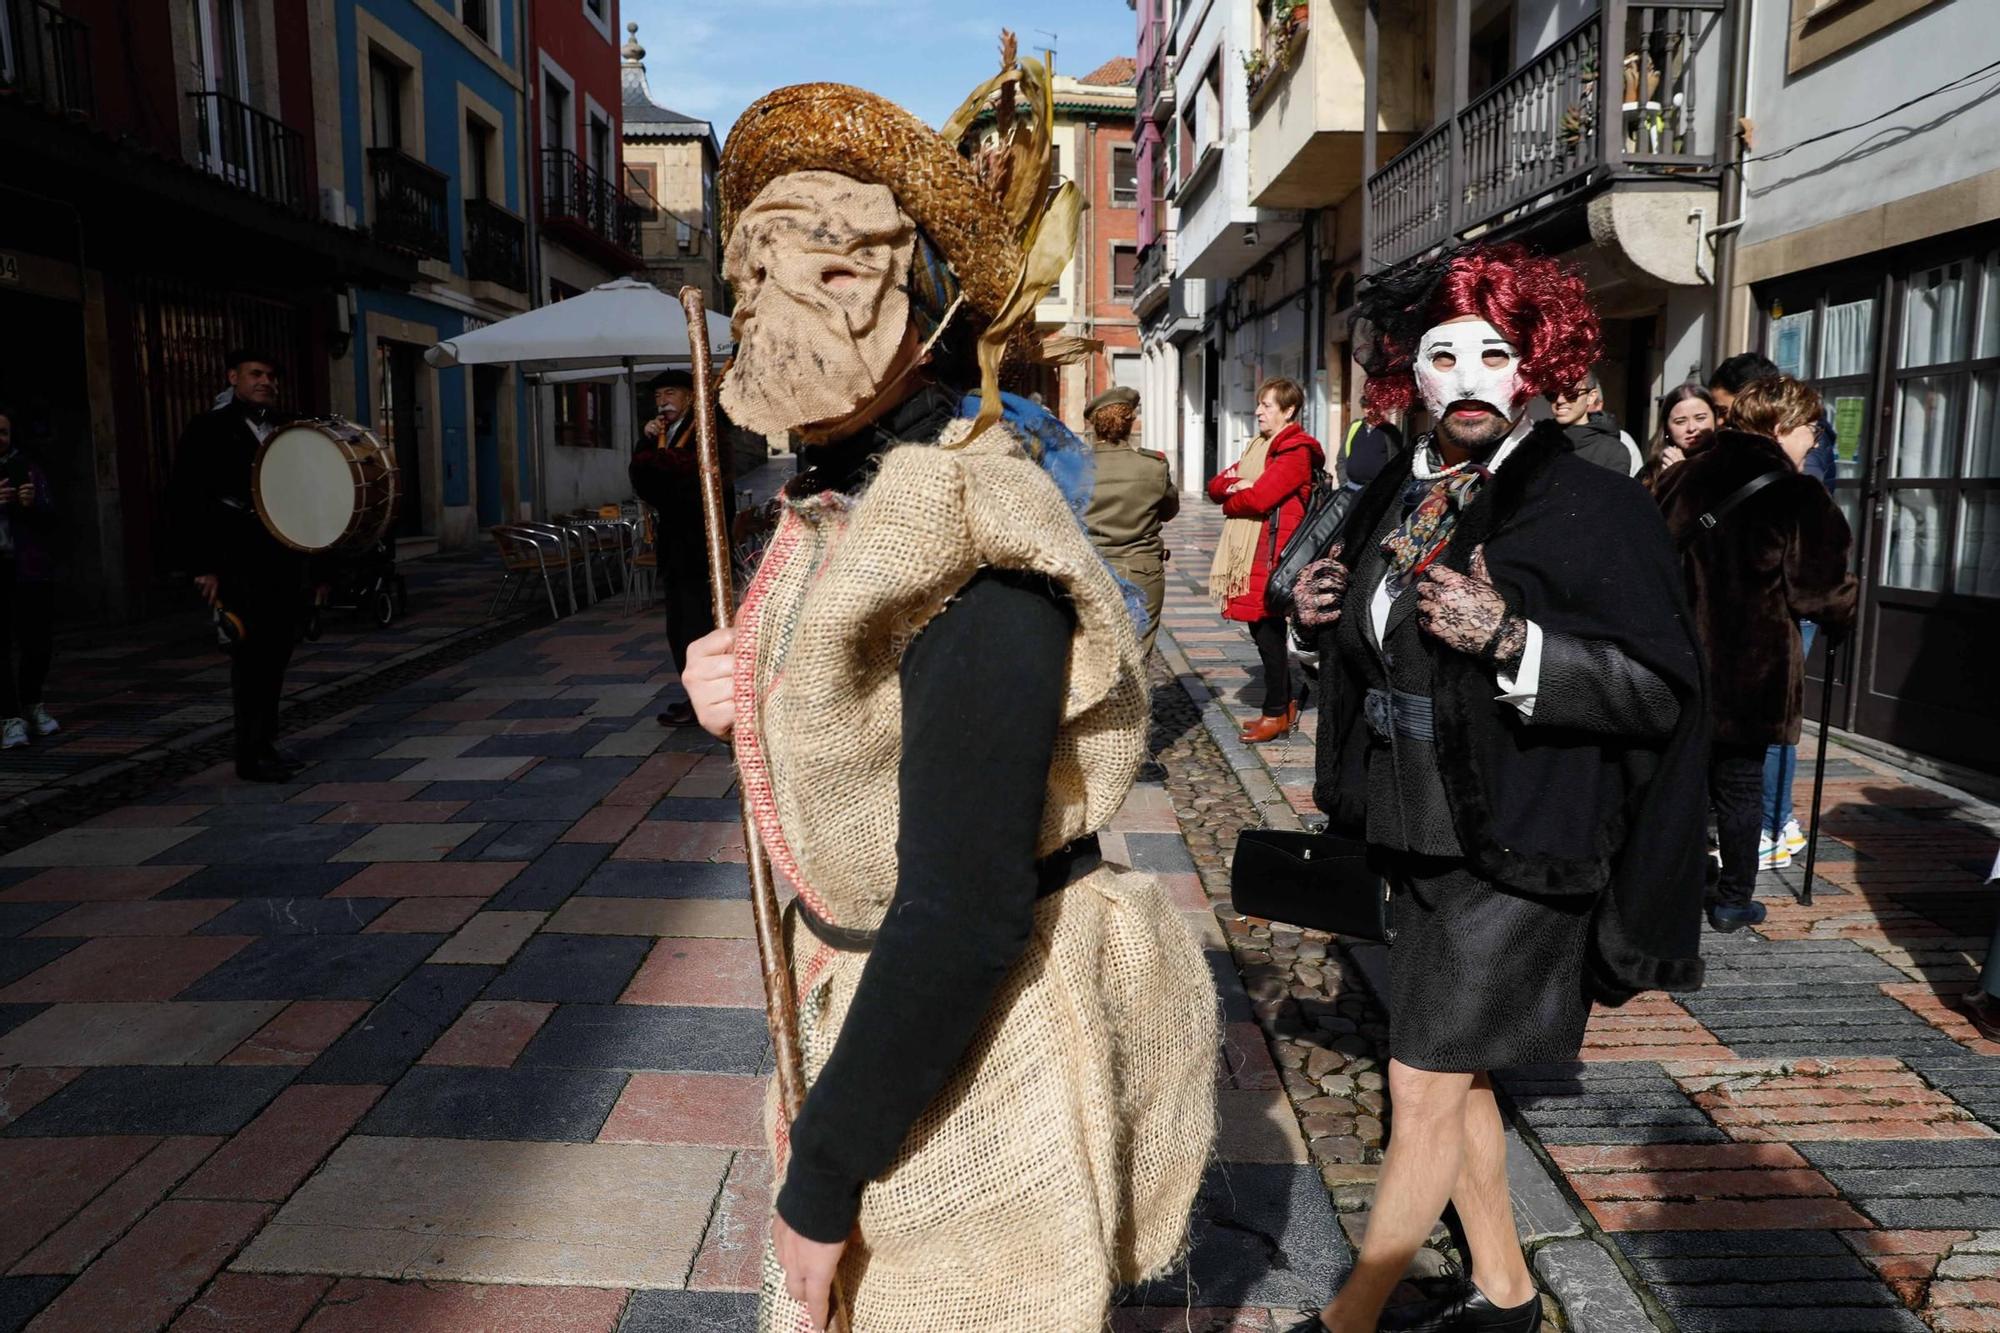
781 1009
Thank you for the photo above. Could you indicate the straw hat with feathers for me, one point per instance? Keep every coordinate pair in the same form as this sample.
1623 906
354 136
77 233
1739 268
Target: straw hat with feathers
1005 235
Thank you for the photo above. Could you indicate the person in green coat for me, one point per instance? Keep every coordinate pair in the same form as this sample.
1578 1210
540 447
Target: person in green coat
1135 497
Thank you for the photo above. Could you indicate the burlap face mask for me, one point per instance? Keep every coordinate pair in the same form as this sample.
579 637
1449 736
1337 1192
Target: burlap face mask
820 264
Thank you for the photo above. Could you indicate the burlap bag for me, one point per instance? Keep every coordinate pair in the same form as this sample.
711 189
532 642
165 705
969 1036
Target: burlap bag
1064 1154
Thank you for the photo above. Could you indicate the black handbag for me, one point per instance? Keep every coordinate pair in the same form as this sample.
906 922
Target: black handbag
1325 516
1313 880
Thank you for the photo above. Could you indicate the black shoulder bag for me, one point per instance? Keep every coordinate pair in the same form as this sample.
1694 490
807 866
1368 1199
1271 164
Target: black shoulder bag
1326 514
1708 522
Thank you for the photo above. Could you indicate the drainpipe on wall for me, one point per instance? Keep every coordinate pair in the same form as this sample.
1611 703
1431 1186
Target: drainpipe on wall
1730 205
1087 277
525 156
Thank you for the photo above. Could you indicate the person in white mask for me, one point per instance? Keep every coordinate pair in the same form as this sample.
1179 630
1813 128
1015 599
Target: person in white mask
1511 718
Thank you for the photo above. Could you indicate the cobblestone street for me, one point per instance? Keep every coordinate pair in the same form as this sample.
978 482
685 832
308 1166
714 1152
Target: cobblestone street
460 1031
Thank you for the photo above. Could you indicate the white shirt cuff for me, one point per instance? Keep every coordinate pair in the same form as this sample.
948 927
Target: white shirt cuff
1520 688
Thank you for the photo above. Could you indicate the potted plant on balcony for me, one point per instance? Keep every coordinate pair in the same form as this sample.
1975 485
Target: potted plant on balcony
1256 65
1576 123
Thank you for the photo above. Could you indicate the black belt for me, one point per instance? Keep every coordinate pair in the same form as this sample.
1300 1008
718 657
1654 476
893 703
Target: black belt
1053 873
1412 716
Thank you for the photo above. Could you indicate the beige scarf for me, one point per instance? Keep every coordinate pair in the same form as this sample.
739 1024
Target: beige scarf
1236 549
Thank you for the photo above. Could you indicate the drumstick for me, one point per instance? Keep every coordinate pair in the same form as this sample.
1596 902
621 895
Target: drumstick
781 1012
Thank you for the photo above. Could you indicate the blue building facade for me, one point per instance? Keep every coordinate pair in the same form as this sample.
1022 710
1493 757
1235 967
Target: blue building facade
429 157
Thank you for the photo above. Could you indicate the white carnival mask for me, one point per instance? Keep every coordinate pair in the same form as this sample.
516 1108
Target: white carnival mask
1469 362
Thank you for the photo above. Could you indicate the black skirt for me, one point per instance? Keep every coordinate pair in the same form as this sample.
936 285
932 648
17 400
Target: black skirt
1482 978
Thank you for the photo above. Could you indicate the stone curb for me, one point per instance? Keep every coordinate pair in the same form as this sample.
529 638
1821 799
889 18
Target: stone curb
1245 762
73 783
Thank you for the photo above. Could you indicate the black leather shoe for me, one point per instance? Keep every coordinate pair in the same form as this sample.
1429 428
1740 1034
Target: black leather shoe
1311 1325
1727 917
1984 1011
1467 1312
263 770
283 759
677 715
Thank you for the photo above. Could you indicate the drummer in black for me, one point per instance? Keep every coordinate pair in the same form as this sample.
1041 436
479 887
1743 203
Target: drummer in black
238 566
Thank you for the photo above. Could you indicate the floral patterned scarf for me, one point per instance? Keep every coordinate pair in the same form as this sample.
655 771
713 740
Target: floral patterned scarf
1434 505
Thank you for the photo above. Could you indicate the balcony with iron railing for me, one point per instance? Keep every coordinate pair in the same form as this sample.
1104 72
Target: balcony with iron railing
1539 135
251 150
583 205
1156 81
410 204
45 58
1154 273
496 245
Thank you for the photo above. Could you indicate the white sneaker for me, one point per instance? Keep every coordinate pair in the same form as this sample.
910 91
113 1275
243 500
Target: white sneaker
44 725
1793 838
13 734
1772 853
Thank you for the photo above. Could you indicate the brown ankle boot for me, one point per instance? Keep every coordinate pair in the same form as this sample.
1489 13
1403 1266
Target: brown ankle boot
1270 728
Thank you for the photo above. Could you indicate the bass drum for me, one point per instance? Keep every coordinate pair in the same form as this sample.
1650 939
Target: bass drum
325 484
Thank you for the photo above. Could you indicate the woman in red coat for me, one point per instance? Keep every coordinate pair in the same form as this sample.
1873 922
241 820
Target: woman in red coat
1263 497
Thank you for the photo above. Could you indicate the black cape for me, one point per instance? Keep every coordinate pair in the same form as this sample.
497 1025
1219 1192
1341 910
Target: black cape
1542 811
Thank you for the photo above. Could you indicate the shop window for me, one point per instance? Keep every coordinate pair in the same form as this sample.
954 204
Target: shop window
1943 477
1829 342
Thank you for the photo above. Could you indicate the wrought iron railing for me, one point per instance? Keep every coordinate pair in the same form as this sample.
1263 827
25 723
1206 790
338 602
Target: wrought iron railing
45 57
249 149
410 208
1155 85
496 245
1540 132
1155 269
574 191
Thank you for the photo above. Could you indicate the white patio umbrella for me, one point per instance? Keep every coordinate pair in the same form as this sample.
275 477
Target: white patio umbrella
615 328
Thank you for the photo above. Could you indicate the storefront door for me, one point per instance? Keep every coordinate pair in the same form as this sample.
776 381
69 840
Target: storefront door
1906 352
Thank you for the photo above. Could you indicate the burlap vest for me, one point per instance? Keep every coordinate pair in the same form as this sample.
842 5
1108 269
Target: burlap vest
1063 1155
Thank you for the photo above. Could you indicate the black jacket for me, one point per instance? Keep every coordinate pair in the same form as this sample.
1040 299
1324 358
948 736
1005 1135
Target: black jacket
1540 807
214 522
1596 442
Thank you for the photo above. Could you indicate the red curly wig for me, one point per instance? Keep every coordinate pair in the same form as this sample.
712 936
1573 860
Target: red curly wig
1538 303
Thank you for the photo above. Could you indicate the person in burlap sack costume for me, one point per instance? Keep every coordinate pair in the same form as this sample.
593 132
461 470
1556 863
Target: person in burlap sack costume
936 698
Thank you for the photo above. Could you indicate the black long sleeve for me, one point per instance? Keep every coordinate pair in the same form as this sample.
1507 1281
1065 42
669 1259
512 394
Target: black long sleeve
1594 685
982 699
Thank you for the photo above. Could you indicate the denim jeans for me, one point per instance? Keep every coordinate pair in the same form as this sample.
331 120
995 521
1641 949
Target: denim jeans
1733 781
1781 762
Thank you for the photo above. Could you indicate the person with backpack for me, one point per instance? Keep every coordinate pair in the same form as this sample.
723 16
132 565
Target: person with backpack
1264 495
1764 547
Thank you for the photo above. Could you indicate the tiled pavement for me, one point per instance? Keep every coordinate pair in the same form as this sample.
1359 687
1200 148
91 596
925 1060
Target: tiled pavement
459 1031
1812 1141
121 689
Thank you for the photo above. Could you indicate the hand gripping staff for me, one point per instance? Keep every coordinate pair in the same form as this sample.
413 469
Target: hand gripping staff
781 1010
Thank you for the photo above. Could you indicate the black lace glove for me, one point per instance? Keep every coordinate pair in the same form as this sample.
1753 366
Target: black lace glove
1319 591
1466 612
